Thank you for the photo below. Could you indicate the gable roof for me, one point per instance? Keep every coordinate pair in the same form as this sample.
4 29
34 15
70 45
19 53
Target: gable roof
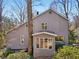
49 10
52 10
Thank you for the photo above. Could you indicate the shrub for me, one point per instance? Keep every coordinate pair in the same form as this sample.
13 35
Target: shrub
8 51
18 55
1 52
67 52
77 41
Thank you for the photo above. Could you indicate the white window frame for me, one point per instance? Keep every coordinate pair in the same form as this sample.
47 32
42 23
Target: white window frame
43 43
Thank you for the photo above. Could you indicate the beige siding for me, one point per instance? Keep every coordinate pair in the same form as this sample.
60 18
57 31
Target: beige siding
55 24
14 37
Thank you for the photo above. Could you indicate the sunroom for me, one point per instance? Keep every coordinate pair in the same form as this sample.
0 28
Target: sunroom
43 43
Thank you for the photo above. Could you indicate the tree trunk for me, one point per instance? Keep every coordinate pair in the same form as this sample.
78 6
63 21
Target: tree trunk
30 27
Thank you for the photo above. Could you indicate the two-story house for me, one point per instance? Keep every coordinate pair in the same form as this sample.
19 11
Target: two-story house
47 28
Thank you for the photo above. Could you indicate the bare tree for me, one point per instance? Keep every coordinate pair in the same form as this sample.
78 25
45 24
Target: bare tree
77 6
2 34
65 6
19 12
76 17
1 2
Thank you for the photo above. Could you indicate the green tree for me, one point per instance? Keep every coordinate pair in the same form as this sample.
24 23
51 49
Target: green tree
67 52
72 37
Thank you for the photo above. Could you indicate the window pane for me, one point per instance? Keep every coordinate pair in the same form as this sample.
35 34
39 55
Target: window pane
46 45
41 43
59 38
45 25
56 38
50 43
37 41
42 25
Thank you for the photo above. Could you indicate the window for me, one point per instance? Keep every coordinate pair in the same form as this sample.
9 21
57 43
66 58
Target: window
44 26
37 42
44 43
41 43
22 39
59 38
50 43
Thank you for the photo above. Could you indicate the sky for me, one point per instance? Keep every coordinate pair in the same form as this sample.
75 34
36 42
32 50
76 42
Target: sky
45 4
37 6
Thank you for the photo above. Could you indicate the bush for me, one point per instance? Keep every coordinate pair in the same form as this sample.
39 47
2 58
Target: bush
1 52
18 55
67 52
8 51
